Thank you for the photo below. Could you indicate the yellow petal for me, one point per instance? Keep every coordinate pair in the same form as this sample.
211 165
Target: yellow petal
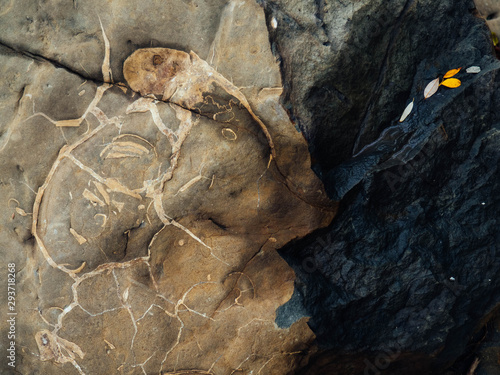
431 88
451 83
451 73
494 37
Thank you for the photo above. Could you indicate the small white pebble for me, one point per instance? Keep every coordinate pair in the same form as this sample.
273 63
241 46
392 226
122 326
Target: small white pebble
274 23
473 69
452 278
483 203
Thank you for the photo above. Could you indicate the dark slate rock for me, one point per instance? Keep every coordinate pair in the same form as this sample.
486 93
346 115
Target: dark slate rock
407 272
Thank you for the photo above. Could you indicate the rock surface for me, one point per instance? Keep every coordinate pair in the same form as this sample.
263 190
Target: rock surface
490 9
143 209
150 173
406 275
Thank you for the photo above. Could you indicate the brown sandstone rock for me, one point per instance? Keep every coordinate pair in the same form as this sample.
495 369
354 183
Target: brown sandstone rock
490 9
144 229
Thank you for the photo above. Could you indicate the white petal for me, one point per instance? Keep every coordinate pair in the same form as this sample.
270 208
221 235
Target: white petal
431 88
406 112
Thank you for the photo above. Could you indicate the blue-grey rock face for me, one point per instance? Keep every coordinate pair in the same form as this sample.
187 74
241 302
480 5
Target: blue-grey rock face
406 274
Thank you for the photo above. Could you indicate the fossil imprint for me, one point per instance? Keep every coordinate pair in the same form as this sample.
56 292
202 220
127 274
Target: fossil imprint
190 136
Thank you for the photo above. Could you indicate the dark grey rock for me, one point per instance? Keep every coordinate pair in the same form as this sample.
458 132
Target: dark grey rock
406 273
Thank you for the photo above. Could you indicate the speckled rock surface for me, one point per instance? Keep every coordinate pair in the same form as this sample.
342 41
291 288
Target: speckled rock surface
143 214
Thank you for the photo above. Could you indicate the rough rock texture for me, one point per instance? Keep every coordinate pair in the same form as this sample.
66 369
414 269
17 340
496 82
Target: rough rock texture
143 210
150 173
490 9
407 273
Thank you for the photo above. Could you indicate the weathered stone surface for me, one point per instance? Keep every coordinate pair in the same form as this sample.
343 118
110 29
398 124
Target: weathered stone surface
348 63
144 223
490 9
407 272
144 214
